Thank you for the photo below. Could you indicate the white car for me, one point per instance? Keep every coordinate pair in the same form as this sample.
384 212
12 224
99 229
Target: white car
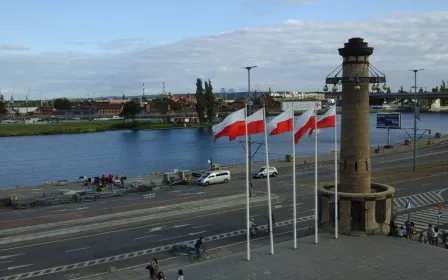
263 172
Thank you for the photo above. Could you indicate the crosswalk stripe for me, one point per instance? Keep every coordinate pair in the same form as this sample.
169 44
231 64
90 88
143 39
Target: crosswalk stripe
423 218
419 200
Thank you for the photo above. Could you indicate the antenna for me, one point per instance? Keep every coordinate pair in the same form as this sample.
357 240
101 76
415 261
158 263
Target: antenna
163 88
26 99
143 97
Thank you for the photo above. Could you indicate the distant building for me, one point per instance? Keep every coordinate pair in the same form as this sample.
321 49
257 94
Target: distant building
46 110
109 107
22 111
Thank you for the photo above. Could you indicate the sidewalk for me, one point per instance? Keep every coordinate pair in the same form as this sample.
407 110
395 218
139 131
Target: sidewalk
375 258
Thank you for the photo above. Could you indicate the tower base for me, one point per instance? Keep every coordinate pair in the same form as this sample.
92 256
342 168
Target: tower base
359 213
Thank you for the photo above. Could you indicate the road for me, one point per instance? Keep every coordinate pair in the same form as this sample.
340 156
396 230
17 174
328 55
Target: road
304 176
87 248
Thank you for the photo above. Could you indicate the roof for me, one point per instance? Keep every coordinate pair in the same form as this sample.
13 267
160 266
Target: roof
24 110
110 106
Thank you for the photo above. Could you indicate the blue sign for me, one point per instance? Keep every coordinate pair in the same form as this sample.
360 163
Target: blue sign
388 120
439 214
408 205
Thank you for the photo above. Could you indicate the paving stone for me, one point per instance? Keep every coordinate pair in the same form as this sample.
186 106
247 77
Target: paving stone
373 257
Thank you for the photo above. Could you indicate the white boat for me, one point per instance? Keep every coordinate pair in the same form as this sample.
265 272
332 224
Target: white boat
108 119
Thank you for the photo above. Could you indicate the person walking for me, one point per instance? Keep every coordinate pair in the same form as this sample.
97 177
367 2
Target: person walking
180 275
153 268
161 276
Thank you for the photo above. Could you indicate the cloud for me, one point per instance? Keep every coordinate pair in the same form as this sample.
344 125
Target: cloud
8 47
249 3
295 55
122 44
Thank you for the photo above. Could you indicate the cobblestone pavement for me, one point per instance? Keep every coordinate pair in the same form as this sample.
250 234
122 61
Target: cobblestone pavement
374 257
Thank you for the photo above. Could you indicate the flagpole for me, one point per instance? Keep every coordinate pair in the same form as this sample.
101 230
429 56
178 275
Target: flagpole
294 198
336 202
316 238
271 235
247 190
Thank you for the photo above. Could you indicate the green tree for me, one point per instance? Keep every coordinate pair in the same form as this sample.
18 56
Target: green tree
211 101
163 106
200 101
3 109
388 90
62 104
131 109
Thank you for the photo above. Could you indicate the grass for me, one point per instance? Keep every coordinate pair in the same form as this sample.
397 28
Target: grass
7 130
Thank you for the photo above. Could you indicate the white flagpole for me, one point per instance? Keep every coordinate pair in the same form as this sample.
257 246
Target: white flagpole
316 238
294 198
336 206
271 235
247 190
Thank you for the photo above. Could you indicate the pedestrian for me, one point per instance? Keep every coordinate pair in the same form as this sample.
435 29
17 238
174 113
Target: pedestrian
153 268
430 234
180 275
161 276
436 236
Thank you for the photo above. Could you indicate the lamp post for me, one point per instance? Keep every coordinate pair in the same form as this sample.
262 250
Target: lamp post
415 115
249 111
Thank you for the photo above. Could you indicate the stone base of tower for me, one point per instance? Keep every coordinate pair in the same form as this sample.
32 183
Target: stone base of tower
359 213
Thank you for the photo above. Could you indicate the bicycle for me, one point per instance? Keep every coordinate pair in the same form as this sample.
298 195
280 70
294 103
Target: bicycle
180 250
204 254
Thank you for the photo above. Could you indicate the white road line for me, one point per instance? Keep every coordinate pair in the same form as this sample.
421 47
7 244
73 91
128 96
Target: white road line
155 229
202 226
16 267
147 236
81 208
278 206
79 249
200 192
62 210
175 191
179 226
169 238
10 256
402 159
252 216
196 233
5 262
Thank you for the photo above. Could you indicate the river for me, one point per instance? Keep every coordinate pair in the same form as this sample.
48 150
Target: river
32 160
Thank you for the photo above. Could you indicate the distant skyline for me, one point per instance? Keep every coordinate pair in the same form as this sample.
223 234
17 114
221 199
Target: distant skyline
85 48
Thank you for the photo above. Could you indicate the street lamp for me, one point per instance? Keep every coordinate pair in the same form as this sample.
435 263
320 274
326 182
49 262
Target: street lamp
415 115
249 111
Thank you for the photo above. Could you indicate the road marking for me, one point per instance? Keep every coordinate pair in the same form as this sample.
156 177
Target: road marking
81 208
10 256
120 230
140 253
252 216
277 206
79 249
423 218
62 210
155 229
147 236
419 199
36 189
418 178
169 238
179 226
6 262
402 159
175 191
15 267
150 195
197 233
202 226
200 192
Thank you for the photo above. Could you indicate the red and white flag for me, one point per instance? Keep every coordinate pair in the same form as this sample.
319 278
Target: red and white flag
255 122
327 120
281 124
232 126
306 121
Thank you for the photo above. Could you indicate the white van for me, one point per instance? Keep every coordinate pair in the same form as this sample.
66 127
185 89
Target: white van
214 177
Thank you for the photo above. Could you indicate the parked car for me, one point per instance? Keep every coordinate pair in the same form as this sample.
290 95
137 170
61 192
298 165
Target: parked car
263 172
214 177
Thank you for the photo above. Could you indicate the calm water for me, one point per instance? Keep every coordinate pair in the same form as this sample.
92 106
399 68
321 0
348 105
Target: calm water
34 159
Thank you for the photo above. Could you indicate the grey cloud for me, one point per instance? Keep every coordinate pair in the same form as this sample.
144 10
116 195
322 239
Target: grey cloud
296 55
121 44
9 47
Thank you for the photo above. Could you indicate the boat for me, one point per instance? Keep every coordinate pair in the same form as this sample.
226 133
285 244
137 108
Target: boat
108 119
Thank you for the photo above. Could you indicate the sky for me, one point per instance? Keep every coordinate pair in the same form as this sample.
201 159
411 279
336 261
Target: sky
98 48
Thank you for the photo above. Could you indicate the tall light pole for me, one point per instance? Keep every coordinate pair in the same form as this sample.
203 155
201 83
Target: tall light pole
249 111
415 115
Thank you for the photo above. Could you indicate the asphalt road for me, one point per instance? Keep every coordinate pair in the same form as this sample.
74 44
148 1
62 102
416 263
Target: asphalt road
383 162
93 247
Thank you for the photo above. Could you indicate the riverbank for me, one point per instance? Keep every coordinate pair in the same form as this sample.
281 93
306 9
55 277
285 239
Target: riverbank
10 130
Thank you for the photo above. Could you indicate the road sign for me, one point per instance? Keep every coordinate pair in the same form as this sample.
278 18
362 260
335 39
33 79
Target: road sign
440 206
408 205
439 214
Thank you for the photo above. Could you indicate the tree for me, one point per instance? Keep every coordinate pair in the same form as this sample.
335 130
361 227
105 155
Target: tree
388 90
62 104
211 101
131 109
163 105
200 101
3 109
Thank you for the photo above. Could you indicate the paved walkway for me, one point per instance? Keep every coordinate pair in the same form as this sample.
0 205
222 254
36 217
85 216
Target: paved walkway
375 257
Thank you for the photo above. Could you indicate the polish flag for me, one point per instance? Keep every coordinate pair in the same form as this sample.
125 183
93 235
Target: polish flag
255 124
327 120
306 121
281 124
232 126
